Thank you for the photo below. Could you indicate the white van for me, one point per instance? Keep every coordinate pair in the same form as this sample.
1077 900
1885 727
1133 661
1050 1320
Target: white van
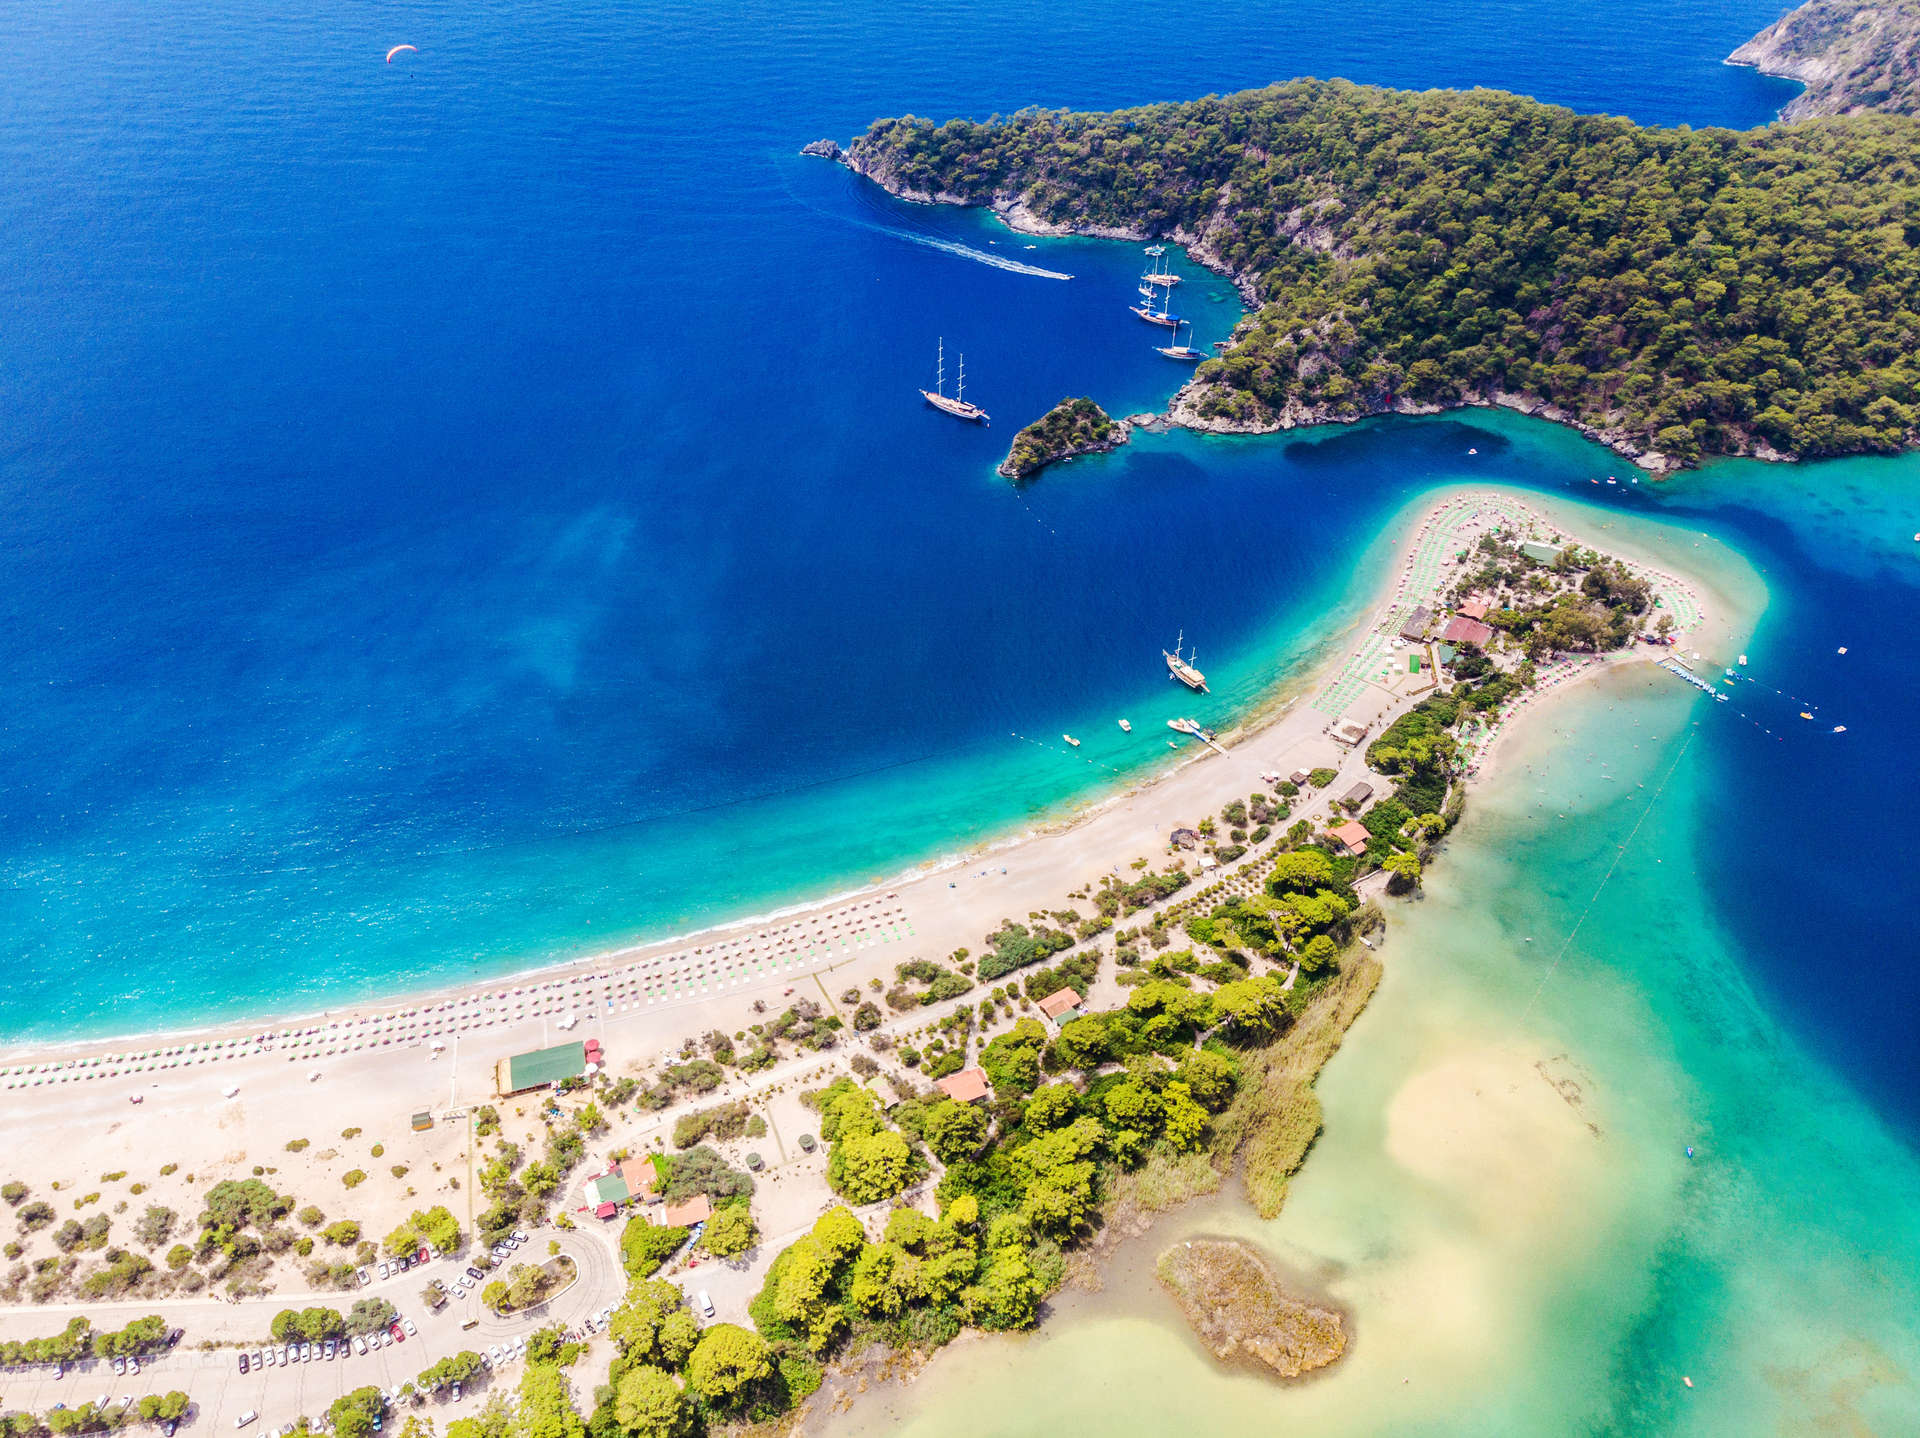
703 1303
245 1418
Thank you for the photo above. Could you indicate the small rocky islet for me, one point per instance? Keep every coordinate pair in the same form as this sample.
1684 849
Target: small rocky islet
1072 427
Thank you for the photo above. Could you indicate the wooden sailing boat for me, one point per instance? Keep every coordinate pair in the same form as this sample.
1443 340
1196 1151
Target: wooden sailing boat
1157 272
1179 351
1147 312
957 405
1182 669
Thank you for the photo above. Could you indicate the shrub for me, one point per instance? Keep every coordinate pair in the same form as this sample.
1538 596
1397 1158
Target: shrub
645 1246
353 1178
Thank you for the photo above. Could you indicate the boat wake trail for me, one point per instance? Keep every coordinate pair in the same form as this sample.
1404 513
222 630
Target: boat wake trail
932 242
967 252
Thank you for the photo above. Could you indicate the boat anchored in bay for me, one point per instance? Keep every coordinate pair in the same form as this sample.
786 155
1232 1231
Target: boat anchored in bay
1157 272
1147 312
1179 351
1182 669
957 405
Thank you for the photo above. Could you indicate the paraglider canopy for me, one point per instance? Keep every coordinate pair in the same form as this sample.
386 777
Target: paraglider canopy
398 48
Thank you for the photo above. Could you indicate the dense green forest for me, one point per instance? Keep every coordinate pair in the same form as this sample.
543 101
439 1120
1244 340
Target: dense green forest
1685 291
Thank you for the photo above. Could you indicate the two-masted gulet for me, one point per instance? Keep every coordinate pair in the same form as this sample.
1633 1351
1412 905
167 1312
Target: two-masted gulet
1179 351
1157 271
956 404
1147 312
1182 669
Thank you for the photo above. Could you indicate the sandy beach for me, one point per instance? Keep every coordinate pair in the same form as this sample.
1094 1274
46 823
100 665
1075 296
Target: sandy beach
224 1104
438 1049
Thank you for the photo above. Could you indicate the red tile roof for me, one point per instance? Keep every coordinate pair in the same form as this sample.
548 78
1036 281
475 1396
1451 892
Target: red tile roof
1350 835
966 1086
684 1215
1461 630
1062 1001
1474 609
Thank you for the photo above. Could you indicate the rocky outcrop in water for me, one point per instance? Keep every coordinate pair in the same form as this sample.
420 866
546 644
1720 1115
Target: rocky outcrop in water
1072 427
824 149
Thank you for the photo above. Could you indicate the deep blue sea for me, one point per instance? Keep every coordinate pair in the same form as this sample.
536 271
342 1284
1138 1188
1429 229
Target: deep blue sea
476 508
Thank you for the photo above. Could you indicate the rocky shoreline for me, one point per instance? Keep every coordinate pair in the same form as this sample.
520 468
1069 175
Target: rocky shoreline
1852 55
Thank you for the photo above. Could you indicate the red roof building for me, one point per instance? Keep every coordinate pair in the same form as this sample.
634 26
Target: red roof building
1056 1006
1461 630
967 1086
697 1209
1474 609
1350 836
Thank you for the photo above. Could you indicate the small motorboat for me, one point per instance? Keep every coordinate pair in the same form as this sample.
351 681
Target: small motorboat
1839 728
1125 727
1071 740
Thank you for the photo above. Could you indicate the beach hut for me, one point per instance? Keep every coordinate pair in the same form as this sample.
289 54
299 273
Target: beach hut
540 1068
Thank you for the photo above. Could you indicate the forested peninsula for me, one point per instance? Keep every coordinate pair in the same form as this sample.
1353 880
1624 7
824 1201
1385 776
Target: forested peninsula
1675 293
1852 55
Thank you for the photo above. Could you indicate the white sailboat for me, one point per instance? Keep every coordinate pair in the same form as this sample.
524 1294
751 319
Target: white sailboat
1157 272
956 405
1179 351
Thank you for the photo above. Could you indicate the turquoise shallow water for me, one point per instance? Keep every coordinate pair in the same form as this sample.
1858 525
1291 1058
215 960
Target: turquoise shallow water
1502 1199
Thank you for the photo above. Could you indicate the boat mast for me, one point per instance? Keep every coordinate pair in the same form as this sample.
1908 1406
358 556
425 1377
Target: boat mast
940 368
960 392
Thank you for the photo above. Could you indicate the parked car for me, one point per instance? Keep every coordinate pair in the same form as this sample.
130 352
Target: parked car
175 1336
519 1235
245 1364
458 1396
421 1256
386 1269
703 1303
259 1361
245 1418
329 1353
407 1324
473 1273
169 1428
366 1276
394 1329
588 1324
360 1344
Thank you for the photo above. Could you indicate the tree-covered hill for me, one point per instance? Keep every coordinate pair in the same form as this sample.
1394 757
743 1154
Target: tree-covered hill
1682 292
1073 426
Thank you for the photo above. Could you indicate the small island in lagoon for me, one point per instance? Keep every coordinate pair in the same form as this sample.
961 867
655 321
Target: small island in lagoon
1239 1309
1072 427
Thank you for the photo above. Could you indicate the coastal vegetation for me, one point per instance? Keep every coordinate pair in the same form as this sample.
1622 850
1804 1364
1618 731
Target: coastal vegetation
1682 293
1240 1310
1072 427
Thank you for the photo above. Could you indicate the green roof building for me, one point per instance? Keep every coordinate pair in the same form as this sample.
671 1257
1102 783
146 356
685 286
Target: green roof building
1541 553
540 1068
608 1189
